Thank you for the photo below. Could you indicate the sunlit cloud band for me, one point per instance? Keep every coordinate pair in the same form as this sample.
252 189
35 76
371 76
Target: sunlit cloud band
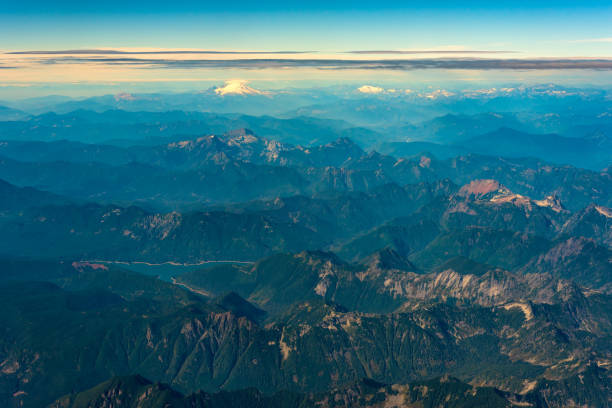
339 64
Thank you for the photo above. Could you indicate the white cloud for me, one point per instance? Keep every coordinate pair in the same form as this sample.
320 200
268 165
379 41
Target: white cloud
594 40
238 87
369 89
437 94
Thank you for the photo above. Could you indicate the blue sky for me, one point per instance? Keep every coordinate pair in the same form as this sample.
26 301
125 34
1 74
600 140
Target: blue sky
524 30
122 7
530 27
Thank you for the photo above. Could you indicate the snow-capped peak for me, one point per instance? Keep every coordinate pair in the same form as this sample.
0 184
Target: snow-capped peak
237 87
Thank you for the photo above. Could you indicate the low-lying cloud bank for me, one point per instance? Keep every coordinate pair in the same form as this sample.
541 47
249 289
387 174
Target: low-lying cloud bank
146 52
338 64
417 52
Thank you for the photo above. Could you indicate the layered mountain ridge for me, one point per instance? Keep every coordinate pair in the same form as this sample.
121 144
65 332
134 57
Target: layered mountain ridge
181 259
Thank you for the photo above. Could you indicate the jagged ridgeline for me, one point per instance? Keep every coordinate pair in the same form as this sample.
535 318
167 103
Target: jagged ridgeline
230 269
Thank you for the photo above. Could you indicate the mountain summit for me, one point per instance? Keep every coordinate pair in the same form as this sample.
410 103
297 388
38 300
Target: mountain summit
237 87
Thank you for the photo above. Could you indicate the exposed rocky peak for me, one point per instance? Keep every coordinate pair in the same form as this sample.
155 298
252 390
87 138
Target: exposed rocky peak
489 190
553 202
547 289
244 145
493 192
495 287
425 161
506 196
605 211
240 144
479 188
388 277
241 136
190 144
492 288
464 266
212 143
489 205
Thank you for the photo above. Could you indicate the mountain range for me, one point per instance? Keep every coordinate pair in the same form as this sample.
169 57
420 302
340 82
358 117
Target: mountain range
235 247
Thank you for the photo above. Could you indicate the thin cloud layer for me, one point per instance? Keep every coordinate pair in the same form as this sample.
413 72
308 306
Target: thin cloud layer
367 64
417 52
148 52
594 40
96 66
